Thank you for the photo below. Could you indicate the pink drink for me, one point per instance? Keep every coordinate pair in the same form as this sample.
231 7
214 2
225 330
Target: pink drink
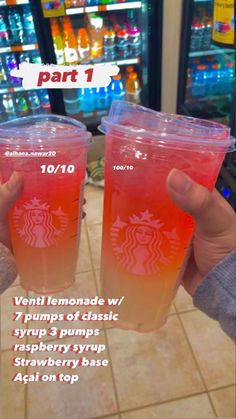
45 222
145 236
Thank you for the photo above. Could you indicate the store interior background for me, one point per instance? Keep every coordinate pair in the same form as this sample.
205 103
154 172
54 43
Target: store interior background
184 371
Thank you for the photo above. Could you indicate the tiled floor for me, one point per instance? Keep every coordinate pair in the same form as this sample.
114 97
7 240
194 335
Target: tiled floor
186 370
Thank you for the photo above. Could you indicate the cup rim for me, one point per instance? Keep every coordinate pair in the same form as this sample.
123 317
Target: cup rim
15 130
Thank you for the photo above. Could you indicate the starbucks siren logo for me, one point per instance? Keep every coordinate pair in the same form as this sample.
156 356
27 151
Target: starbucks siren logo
37 225
142 245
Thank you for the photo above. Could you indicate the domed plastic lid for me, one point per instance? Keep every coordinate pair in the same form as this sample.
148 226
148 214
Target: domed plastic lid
166 130
43 129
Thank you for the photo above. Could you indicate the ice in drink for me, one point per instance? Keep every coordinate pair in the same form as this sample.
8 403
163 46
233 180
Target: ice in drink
50 152
145 236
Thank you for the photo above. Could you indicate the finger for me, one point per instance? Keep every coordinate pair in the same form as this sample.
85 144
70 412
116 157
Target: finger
10 192
212 213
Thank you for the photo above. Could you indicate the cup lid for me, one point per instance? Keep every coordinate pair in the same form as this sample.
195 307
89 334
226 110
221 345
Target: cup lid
43 129
167 130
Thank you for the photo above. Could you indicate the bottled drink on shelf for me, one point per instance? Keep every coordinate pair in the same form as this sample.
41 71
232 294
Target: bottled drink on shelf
24 57
34 101
134 40
87 101
133 88
44 99
109 45
16 26
78 3
4 33
199 81
35 57
72 101
11 64
92 2
21 105
28 25
197 34
206 41
106 1
83 46
102 99
122 44
70 47
116 88
8 104
3 75
58 46
96 36
128 71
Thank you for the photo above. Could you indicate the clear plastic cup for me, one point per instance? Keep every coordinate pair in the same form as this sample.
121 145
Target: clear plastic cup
50 152
145 236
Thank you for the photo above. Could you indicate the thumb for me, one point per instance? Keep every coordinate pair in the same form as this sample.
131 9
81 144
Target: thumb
213 215
9 193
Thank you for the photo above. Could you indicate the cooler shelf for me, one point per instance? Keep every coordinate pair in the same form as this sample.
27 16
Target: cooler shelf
19 48
104 8
13 2
12 89
212 51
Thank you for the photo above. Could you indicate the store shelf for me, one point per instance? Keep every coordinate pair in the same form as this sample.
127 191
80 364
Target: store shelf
212 51
128 61
11 89
13 2
202 1
104 8
19 48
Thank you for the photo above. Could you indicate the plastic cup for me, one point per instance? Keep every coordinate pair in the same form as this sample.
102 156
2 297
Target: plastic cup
50 152
146 237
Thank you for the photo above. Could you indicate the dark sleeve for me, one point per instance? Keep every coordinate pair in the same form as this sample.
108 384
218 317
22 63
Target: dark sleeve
8 271
216 295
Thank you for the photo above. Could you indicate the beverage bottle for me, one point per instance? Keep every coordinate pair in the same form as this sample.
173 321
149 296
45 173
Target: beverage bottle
24 57
28 25
199 81
78 3
35 58
11 64
58 46
34 102
8 104
122 44
230 77
133 88
68 3
4 34
206 43
66 23
216 70
72 101
109 42
134 40
92 2
83 46
87 102
2 111
197 31
116 88
102 100
96 34
21 105
70 47
128 71
45 101
3 75
16 26
106 1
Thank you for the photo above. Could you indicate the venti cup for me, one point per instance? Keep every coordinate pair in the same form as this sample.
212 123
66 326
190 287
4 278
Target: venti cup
50 152
146 238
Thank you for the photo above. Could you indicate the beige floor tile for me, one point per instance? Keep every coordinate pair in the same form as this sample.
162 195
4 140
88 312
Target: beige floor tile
224 401
84 287
183 301
12 393
151 368
213 349
91 396
7 323
94 204
84 257
95 239
196 407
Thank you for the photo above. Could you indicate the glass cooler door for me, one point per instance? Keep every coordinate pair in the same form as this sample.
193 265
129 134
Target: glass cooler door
18 43
207 72
108 31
